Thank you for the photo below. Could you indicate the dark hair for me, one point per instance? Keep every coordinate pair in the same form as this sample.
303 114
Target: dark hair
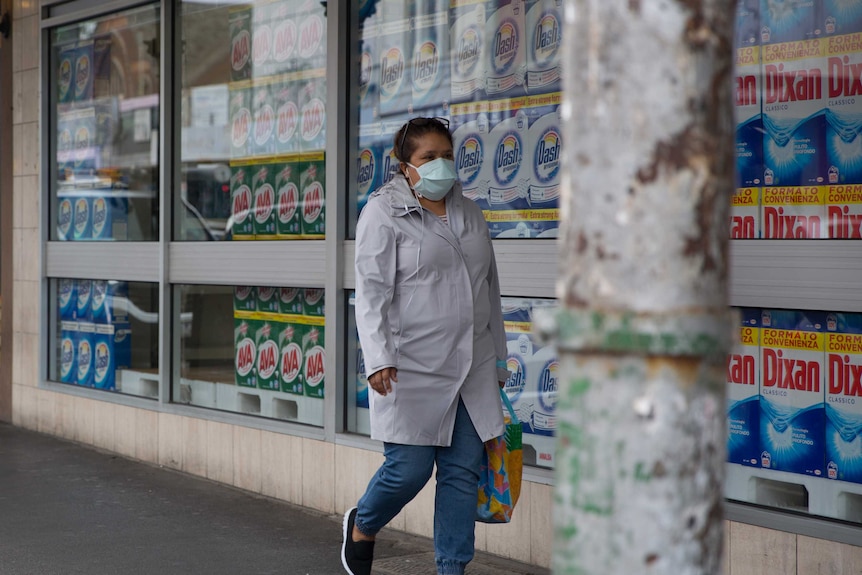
404 143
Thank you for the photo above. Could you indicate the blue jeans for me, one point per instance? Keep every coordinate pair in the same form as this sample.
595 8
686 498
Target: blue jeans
406 471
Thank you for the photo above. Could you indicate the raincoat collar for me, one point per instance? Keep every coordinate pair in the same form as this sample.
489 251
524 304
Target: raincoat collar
402 201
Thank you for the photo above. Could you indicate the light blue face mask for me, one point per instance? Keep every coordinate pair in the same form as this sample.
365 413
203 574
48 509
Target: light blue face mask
437 178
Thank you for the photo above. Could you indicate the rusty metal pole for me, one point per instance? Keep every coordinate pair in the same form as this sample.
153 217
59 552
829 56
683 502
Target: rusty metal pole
644 326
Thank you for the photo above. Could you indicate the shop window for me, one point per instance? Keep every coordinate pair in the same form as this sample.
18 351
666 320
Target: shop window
104 119
253 349
253 121
492 69
105 335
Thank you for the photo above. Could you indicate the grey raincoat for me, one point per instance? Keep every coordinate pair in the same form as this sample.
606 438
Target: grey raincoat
428 304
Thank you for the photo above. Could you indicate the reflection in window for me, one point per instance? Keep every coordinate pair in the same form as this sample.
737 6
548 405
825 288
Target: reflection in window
254 120
105 131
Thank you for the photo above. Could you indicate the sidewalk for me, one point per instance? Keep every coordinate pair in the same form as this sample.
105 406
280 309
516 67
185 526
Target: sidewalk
67 509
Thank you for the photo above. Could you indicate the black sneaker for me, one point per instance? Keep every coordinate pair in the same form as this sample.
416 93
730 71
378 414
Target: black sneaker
356 556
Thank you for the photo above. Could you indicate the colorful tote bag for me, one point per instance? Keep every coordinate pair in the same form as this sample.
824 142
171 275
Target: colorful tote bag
500 476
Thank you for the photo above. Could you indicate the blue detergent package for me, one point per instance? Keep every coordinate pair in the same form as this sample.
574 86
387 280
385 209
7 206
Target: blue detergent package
67 299
68 372
841 17
789 21
429 72
111 351
543 156
743 393
85 356
470 132
509 152
108 302
792 403
843 115
844 397
84 300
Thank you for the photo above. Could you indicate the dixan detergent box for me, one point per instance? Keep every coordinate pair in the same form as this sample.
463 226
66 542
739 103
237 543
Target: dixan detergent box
112 350
747 31
239 115
508 212
429 73
108 302
65 73
467 44
67 299
394 42
285 37
797 212
311 101
544 41
844 396
843 117
290 359
505 48
267 299
284 101
83 80
743 393
748 117
794 127
313 357
268 356
844 210
261 40
782 21
239 27
263 132
244 299
543 156
263 200
85 359
313 302
312 193
369 162
745 214
290 301
792 398
311 35
841 17
286 185
473 156
245 349
84 300
241 201
68 368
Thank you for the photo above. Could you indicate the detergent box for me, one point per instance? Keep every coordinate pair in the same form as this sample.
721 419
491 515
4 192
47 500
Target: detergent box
743 393
110 216
844 396
395 40
793 212
285 37
264 141
841 17
543 156
508 212
505 48
544 42
82 213
245 350
83 78
109 302
239 28
84 300
85 356
429 70
67 299
311 35
267 299
263 201
313 357
65 73
284 100
268 356
313 300
473 157
782 21
747 23
748 117
311 101
244 299
261 39
290 301
312 193
240 117
792 402
289 219
68 372
745 214
467 43
291 357
242 214
369 74
112 350
844 210
369 163
843 117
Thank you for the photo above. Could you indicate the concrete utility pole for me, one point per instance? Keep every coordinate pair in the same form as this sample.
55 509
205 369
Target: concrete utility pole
644 329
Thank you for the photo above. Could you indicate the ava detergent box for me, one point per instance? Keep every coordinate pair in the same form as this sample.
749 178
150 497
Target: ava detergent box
505 48
109 302
467 40
745 214
267 299
748 117
508 215
290 301
743 393
793 212
85 359
68 372
67 299
242 216
311 101
311 31
286 183
239 115
84 300
313 302
844 397
268 357
284 101
244 299
843 118
264 141
312 189
291 357
429 73
245 352
239 28
395 40
782 21
471 127
544 145
285 37
313 357
261 39
794 139
792 403
544 42
263 201
841 17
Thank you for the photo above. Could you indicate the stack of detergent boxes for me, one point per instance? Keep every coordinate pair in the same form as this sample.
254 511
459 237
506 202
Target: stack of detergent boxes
95 333
279 339
798 143
501 89
277 113
532 383
794 386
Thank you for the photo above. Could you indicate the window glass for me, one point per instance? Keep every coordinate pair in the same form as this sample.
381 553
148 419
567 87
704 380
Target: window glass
253 120
104 117
254 350
106 335
492 68
798 144
794 401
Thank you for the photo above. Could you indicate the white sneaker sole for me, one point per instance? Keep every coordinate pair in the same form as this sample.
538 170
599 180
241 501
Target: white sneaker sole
344 539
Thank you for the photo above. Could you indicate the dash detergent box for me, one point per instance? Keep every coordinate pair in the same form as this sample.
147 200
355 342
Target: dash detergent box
311 101
242 215
263 198
108 301
67 299
544 40
743 393
505 48
794 139
748 117
844 397
312 190
68 368
473 155
467 40
82 213
110 216
369 163
745 214
843 120
291 357
429 72
288 214
85 357
545 142
268 356
83 79
395 40
84 300
245 352
65 73
313 358
112 351
509 207
792 403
